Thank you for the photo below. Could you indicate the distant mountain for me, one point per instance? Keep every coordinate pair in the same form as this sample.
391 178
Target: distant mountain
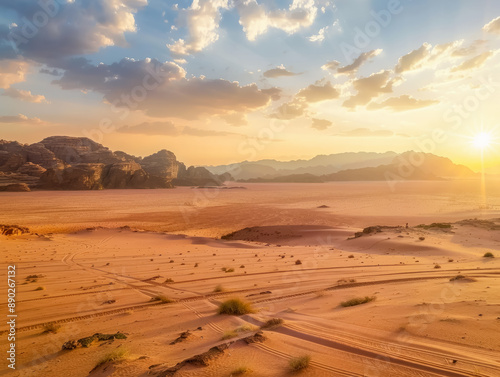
406 166
319 165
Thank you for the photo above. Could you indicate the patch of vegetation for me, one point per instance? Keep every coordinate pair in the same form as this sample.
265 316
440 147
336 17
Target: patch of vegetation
40 289
230 270
437 266
235 306
219 288
51 328
299 363
298 261
241 370
488 255
357 301
273 322
462 278
351 256
119 353
435 225
164 299
421 238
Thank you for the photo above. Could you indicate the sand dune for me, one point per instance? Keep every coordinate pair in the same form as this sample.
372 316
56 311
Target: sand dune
105 280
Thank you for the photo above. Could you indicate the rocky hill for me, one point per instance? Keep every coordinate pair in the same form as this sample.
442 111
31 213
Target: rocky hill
78 163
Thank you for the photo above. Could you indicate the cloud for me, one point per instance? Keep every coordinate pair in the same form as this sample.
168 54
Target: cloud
333 65
169 129
370 87
257 20
317 93
235 119
202 19
493 26
320 124
73 28
290 110
469 50
366 132
402 103
24 95
473 63
12 72
162 89
20 118
414 60
279 72
320 36
358 62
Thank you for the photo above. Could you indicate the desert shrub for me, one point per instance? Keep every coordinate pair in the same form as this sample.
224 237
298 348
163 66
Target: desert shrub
298 261
229 334
450 260
219 288
462 278
171 261
242 266
115 355
299 363
239 371
273 322
350 256
40 289
224 269
357 301
235 306
437 266
52 328
230 270
421 238
196 264
164 299
169 280
488 255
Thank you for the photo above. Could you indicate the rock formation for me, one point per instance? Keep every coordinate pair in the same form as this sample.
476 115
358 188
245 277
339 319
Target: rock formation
78 163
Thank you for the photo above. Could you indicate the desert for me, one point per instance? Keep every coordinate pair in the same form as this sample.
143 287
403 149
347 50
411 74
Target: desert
158 269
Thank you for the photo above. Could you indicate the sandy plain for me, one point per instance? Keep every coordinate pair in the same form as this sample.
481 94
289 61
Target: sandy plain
102 256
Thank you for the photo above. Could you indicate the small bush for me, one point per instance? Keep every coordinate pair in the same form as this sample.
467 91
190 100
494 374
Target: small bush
299 363
357 301
273 322
488 255
230 270
169 280
115 355
350 256
239 371
171 261
462 278
235 306
219 288
52 328
242 266
450 260
229 334
162 298
421 238
40 289
437 266
298 261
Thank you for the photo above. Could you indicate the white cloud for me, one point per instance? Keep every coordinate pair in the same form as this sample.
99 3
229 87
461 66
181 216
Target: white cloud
493 26
12 72
257 20
24 95
202 20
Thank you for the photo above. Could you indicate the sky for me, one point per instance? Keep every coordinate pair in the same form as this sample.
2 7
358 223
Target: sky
222 81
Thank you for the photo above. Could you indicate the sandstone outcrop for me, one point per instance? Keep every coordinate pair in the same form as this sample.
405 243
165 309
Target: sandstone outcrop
78 163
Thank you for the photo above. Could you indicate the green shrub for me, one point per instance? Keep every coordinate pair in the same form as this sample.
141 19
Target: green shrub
299 363
241 370
488 255
273 322
235 306
162 298
115 355
52 328
357 301
40 289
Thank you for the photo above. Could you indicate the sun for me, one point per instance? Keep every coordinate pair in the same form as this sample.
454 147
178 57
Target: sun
482 140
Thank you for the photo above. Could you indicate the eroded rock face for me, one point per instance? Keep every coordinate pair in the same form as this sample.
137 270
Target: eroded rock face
198 176
77 163
15 187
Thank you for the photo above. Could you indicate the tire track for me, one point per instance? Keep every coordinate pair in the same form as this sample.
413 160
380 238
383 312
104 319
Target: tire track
223 294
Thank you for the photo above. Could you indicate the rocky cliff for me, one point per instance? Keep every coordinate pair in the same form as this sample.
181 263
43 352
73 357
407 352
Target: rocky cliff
77 163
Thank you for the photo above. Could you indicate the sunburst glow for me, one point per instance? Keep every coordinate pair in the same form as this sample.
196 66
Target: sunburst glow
482 140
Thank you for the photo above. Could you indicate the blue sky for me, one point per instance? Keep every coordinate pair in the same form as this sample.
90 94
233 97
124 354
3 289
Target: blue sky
270 78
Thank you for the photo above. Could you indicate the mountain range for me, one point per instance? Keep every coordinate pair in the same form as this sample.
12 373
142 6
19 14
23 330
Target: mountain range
362 166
